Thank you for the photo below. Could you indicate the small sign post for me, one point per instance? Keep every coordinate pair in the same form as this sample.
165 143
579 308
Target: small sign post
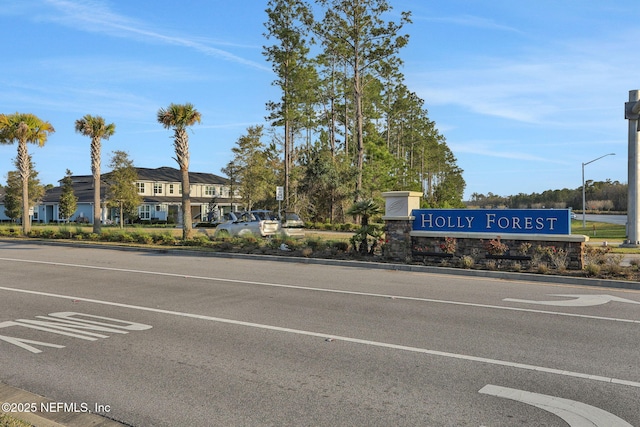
279 198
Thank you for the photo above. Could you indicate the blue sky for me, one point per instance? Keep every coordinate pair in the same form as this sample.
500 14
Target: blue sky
524 92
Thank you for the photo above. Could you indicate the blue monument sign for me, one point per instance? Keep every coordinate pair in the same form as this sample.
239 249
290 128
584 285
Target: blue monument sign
497 221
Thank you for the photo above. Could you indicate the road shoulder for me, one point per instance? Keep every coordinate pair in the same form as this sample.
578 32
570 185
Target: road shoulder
15 395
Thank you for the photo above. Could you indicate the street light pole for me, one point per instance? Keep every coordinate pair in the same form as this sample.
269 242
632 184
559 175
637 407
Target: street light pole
584 196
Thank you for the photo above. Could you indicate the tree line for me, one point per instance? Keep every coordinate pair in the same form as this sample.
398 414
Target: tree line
599 195
346 127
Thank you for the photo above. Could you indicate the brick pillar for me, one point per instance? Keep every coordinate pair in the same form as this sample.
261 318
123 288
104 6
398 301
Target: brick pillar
398 223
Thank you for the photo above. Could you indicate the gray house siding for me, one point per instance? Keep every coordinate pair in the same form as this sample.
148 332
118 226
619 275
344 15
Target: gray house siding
161 194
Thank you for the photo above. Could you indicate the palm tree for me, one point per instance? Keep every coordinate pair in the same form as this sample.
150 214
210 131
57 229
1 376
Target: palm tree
179 118
365 209
24 128
95 128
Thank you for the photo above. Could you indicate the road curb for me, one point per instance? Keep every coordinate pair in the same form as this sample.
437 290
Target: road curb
9 394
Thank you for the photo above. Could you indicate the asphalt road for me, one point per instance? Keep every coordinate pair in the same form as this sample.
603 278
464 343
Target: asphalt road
166 340
610 219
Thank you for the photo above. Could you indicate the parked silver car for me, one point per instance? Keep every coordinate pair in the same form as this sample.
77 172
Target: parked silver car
292 225
245 223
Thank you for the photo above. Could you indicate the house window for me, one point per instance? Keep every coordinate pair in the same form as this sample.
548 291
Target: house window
209 190
140 187
170 188
157 188
144 212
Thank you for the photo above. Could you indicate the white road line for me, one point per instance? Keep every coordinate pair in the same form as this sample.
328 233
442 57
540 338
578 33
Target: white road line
342 338
576 300
576 414
336 291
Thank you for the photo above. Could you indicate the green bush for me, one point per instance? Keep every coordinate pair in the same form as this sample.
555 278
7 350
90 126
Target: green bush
125 238
347 227
316 243
466 261
165 238
35 233
592 270
143 238
340 246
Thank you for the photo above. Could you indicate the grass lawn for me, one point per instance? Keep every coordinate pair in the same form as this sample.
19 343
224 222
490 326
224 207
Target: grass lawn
7 420
600 232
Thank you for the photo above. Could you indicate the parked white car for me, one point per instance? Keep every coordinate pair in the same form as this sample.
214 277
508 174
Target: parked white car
245 223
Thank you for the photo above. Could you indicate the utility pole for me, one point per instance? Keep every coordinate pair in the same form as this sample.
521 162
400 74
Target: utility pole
632 113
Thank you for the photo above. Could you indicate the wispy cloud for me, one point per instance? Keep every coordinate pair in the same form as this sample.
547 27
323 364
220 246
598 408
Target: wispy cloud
575 82
81 100
115 69
469 21
94 16
488 149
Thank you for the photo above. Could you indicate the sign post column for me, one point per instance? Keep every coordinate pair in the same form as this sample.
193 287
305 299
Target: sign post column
632 113
398 219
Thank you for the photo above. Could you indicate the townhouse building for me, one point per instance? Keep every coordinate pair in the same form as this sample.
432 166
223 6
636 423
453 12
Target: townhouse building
161 193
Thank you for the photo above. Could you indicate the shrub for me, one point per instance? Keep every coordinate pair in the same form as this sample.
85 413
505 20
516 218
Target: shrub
197 240
224 245
249 239
64 232
275 241
558 257
340 246
315 243
542 268
592 270
48 233
35 233
466 261
449 245
292 243
524 247
164 238
347 226
596 255
613 269
143 238
496 247
124 238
